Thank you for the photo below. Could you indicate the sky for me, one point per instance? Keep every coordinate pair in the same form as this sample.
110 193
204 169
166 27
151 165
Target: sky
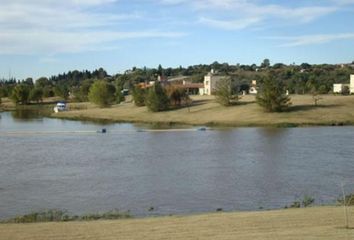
48 37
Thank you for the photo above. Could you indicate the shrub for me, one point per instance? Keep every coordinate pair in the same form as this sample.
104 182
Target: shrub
272 97
119 95
139 96
307 201
36 94
157 99
101 93
55 215
349 200
20 94
225 93
177 96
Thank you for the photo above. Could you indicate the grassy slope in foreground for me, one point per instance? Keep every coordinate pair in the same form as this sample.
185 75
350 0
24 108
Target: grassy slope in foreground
307 223
205 111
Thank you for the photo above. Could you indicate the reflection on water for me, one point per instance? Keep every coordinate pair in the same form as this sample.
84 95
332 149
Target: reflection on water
35 113
175 172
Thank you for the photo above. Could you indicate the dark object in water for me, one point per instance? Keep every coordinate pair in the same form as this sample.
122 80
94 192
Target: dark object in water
103 130
202 129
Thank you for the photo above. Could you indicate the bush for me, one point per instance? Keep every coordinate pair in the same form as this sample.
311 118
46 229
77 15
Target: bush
177 96
349 200
307 201
157 99
36 94
225 93
62 91
101 93
20 94
55 215
119 95
139 96
272 97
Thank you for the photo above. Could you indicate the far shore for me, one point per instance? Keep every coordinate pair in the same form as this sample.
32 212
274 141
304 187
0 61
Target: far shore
205 111
325 223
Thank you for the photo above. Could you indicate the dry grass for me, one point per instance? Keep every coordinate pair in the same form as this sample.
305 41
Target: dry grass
205 111
325 223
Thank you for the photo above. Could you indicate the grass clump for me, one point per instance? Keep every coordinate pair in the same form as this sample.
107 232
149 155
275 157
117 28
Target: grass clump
57 215
349 200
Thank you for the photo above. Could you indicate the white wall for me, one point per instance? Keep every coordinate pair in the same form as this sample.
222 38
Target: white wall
207 85
352 84
337 88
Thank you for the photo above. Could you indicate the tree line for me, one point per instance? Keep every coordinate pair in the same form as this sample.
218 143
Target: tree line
297 79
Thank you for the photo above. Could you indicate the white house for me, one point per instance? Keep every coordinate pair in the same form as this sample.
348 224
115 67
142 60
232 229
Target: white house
210 82
339 87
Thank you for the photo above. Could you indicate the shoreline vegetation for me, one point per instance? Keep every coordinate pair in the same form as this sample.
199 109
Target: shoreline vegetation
300 223
331 110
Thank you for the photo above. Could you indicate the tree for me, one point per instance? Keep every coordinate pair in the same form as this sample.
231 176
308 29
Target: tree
48 91
101 93
265 63
177 96
272 97
20 94
157 99
119 95
62 91
225 92
81 93
42 82
36 94
139 96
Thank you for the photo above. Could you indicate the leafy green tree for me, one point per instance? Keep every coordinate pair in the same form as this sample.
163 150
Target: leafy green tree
177 96
139 96
62 91
225 92
157 99
265 63
272 96
101 93
36 94
42 82
48 91
20 94
81 92
119 95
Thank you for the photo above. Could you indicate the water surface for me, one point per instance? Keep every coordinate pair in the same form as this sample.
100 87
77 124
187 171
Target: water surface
44 165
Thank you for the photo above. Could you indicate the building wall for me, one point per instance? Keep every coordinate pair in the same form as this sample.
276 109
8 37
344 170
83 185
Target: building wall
338 88
210 83
352 84
207 85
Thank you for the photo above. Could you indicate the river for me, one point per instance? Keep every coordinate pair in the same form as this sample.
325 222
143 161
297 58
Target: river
60 164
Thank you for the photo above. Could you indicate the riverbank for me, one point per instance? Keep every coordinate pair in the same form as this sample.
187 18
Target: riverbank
331 110
306 223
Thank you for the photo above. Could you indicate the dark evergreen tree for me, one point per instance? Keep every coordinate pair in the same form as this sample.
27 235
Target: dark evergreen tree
272 96
157 99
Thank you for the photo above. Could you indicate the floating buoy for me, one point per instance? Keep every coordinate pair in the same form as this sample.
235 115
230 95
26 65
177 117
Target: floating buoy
103 130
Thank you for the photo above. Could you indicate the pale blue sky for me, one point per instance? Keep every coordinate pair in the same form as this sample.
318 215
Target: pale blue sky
47 37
